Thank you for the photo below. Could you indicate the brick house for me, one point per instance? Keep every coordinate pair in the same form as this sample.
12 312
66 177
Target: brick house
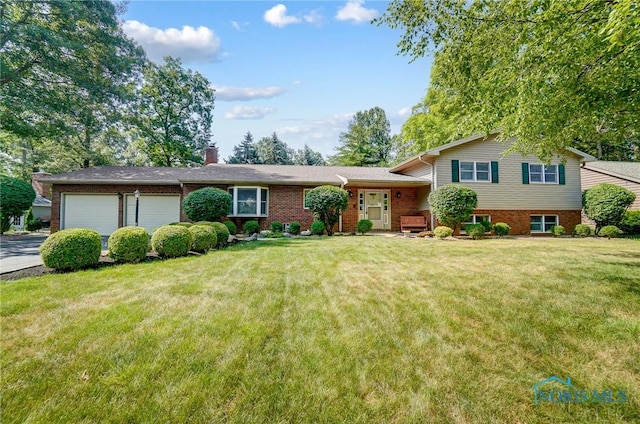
103 197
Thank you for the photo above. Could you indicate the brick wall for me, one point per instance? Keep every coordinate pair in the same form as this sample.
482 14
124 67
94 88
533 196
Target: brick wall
519 220
119 189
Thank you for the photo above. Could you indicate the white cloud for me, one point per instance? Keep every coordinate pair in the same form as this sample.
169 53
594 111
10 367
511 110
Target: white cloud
190 44
277 16
314 17
233 94
248 112
296 82
354 11
236 25
320 134
405 111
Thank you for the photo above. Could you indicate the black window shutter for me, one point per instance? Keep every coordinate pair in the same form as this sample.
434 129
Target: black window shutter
494 172
525 173
561 176
455 171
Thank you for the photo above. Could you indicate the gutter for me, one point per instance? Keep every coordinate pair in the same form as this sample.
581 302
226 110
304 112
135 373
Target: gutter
344 183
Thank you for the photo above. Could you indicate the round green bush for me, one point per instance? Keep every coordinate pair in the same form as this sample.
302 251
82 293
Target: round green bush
128 244
443 232
251 227
294 228
171 241
317 228
276 226
207 204
582 230
501 228
630 223
487 226
233 230
605 204
475 231
73 248
364 226
558 231
453 203
609 231
222 232
182 224
204 237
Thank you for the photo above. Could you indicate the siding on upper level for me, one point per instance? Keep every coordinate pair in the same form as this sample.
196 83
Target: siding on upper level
510 192
592 178
419 170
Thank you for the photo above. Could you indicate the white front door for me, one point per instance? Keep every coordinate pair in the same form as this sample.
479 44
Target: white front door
375 206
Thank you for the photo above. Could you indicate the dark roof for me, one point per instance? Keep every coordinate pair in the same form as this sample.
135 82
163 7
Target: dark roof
234 174
118 175
630 170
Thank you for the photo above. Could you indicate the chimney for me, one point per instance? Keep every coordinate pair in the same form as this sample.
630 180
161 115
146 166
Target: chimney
210 155
41 188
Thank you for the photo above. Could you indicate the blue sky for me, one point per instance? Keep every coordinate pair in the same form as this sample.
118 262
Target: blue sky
299 68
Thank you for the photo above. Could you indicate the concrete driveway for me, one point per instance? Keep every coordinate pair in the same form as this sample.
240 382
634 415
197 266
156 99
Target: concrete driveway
20 252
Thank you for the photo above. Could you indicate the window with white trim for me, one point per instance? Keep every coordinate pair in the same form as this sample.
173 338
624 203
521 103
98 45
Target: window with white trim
475 171
304 197
249 201
542 223
543 174
474 219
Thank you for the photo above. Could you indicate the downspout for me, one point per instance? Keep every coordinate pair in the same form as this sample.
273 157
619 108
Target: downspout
344 183
433 184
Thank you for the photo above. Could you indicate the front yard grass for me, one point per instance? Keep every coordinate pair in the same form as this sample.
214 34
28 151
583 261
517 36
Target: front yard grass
342 329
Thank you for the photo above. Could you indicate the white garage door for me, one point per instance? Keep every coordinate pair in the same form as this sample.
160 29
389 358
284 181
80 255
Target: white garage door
154 210
97 211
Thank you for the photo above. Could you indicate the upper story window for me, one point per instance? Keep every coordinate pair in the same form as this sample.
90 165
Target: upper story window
249 201
543 174
475 171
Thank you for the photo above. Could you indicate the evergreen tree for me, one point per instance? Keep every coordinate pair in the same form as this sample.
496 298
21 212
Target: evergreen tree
245 152
367 142
306 156
273 151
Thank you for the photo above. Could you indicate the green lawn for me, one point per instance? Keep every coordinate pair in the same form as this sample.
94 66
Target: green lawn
342 329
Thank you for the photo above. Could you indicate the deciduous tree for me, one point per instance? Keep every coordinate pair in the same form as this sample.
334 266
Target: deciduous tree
327 203
16 197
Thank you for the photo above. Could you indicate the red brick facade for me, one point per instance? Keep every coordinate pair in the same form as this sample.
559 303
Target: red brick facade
286 205
519 220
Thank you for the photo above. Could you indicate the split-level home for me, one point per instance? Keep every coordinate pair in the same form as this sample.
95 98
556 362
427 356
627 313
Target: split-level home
521 191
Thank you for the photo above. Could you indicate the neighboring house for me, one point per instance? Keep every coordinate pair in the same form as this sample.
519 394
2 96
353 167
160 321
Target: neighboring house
519 190
41 206
624 174
513 189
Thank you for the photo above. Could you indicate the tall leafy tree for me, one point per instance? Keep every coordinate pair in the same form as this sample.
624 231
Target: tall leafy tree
273 151
245 152
306 156
174 114
67 70
548 73
367 142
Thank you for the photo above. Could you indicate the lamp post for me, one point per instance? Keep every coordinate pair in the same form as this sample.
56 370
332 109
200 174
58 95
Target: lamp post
137 194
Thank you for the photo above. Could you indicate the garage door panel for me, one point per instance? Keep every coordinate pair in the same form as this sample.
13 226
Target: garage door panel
154 211
99 212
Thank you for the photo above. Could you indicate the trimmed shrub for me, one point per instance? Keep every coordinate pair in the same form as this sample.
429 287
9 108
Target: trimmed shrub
171 241
558 231
327 203
204 237
74 248
222 234
630 223
294 228
609 231
582 230
31 223
486 225
605 204
453 204
128 244
443 232
207 204
317 228
233 230
251 227
276 227
182 224
364 226
475 231
501 228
